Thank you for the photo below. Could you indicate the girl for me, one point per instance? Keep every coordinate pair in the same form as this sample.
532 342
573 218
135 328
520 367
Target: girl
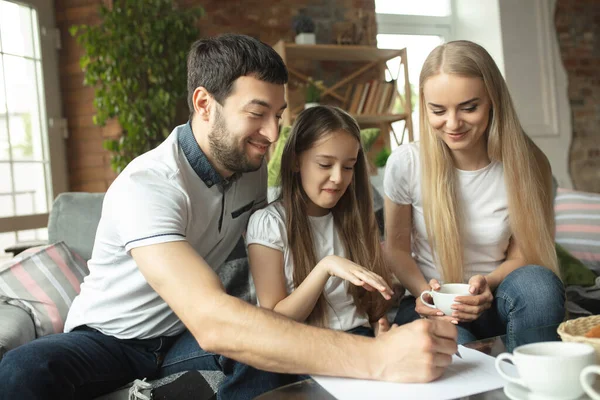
314 253
472 203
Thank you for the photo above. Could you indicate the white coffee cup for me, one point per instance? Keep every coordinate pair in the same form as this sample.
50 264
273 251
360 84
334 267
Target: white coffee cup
444 298
587 380
551 369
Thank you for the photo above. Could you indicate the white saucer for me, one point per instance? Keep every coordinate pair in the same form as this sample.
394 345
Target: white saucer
518 392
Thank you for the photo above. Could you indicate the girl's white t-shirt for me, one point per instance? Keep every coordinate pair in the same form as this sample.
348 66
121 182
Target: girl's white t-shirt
267 227
482 194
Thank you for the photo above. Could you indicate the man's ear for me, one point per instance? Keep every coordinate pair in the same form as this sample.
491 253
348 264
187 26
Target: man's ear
202 101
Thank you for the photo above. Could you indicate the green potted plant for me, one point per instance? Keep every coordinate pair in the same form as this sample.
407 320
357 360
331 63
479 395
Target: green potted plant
380 161
313 93
381 157
135 58
304 27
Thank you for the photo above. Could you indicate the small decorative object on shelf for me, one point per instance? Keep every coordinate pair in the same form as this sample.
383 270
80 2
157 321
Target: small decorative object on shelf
313 93
364 86
305 29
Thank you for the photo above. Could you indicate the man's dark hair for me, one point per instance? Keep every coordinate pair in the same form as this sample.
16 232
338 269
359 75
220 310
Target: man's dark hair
215 63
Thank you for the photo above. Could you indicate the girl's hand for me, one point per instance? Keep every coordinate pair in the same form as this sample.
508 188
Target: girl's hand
428 312
357 275
471 307
382 326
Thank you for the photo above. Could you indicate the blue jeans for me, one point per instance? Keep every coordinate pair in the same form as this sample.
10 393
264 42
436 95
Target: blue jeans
529 297
84 364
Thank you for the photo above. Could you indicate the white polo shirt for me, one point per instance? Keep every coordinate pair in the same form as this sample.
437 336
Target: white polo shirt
170 193
267 227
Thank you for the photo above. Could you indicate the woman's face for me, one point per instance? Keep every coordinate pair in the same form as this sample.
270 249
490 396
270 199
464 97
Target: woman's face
458 108
326 170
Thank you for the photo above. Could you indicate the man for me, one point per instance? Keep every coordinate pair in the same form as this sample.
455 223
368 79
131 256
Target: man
152 298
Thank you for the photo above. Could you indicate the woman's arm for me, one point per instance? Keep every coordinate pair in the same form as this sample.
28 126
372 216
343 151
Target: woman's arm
398 226
469 308
266 266
514 260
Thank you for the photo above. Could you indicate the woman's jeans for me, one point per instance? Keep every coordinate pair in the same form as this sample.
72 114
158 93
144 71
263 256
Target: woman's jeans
85 363
529 297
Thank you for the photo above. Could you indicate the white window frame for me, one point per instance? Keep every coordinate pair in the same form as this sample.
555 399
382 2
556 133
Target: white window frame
57 179
414 25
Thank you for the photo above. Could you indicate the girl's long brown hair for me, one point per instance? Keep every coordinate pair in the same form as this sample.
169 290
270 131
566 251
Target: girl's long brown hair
353 215
527 173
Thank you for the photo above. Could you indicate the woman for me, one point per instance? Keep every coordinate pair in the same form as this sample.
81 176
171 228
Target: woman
314 253
472 202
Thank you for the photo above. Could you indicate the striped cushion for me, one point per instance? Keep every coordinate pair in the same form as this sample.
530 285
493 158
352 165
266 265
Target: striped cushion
578 225
44 282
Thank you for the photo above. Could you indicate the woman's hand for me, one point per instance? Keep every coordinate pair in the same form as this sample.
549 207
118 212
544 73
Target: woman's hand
355 274
471 307
428 312
382 326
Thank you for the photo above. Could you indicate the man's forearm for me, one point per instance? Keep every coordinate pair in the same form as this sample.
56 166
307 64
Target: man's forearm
268 341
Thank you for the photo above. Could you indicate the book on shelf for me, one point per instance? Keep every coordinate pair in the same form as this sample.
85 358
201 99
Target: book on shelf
373 97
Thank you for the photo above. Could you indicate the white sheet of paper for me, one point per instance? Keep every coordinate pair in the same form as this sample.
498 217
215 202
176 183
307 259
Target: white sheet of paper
474 373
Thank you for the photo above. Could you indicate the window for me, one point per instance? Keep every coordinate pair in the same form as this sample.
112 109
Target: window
418 26
26 184
438 8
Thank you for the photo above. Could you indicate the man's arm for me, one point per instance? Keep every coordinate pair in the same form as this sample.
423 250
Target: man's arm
225 325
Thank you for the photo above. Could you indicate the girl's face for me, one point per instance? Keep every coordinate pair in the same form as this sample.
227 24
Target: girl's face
458 108
326 170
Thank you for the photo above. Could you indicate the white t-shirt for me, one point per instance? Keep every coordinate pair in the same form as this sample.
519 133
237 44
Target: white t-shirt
171 193
482 193
267 228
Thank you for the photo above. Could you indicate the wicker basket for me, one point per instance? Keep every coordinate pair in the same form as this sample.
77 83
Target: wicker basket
575 329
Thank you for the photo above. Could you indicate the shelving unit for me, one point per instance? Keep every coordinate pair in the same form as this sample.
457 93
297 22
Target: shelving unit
368 64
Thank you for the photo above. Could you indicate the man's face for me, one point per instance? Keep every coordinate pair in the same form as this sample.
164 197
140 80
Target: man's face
246 124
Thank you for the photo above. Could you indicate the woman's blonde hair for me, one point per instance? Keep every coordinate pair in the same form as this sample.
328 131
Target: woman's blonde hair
527 172
353 214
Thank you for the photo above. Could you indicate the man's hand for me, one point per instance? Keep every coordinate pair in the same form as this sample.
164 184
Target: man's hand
416 352
356 274
471 307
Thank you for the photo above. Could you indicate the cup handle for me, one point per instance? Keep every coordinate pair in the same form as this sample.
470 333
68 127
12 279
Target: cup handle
585 382
508 357
429 292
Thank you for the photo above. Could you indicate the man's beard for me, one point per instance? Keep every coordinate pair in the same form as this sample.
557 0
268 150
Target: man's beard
226 151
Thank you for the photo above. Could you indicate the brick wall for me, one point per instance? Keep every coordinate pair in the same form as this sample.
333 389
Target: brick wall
269 20
578 29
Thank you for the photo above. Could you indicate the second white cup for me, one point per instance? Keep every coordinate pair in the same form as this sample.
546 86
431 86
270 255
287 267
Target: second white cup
444 298
553 370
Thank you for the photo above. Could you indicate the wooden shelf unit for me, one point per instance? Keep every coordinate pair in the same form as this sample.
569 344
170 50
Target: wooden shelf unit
368 60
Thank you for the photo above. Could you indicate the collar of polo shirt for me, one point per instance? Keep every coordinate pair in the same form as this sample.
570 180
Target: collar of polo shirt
198 160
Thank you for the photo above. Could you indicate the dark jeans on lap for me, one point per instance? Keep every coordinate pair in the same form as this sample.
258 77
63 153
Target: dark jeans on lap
84 364
529 297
